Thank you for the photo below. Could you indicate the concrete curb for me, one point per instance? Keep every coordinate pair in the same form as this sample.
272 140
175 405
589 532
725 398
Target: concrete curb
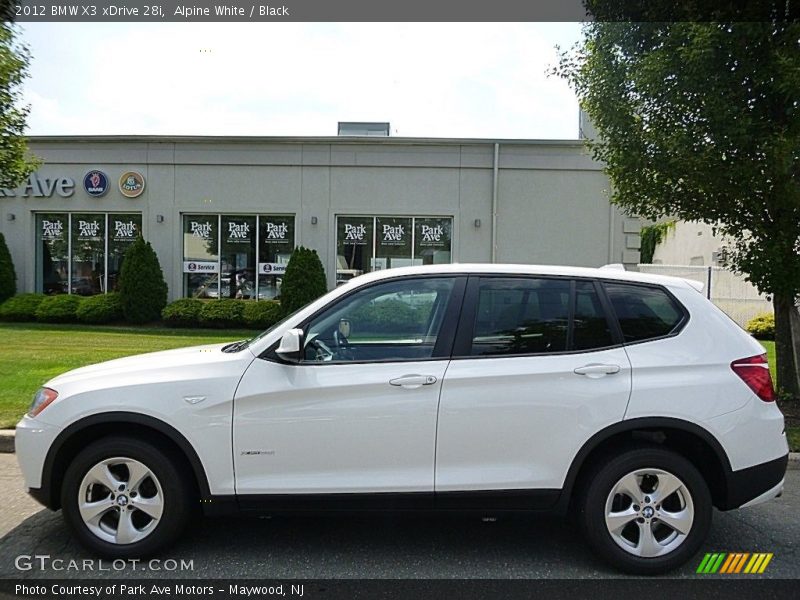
7 446
6 441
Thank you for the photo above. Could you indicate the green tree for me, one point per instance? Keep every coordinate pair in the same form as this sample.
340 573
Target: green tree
141 283
304 280
15 161
8 277
701 121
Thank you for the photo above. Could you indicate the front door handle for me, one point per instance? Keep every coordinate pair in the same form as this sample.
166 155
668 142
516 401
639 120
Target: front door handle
411 382
596 370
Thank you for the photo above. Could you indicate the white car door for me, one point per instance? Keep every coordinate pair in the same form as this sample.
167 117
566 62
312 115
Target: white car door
357 414
537 369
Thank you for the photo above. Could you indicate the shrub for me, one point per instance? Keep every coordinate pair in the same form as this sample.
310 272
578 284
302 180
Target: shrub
8 277
21 308
141 284
183 313
103 308
260 315
222 313
58 309
762 326
304 280
393 316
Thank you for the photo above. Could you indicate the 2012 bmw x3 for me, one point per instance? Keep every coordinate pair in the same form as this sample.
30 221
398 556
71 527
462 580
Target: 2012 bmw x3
628 401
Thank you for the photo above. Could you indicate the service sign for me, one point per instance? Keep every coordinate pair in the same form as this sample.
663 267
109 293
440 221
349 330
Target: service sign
200 266
271 268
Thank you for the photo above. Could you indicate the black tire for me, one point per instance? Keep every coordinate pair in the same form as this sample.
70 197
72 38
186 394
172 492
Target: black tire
598 487
179 500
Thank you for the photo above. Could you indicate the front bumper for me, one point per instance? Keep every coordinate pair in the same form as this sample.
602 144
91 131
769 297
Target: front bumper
756 484
32 441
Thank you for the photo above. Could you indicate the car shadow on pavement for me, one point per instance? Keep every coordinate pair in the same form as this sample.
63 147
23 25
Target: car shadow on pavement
379 546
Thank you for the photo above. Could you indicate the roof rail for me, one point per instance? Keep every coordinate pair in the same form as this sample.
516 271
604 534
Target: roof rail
614 267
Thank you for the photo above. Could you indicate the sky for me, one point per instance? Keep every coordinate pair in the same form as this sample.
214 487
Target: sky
480 80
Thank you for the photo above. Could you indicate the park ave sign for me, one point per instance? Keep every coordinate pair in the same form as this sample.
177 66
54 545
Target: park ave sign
44 187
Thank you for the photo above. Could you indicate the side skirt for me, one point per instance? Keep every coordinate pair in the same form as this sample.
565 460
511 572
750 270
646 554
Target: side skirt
482 501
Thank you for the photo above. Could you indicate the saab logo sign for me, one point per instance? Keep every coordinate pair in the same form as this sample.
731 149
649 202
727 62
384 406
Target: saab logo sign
271 268
131 184
198 266
36 187
95 183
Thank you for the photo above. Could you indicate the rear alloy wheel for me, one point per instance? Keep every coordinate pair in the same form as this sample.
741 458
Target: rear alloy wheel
647 511
125 498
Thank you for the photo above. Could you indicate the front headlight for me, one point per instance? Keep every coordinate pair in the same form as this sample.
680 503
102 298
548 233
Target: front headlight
42 400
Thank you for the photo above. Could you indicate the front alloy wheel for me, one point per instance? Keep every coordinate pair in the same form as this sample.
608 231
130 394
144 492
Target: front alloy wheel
646 511
125 497
120 500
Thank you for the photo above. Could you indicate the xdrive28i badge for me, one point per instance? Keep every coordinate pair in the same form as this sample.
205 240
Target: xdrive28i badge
95 183
131 184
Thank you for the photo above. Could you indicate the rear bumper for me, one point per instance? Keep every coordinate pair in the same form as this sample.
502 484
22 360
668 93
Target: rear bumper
755 484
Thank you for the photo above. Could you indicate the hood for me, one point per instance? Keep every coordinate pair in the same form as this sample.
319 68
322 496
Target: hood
146 366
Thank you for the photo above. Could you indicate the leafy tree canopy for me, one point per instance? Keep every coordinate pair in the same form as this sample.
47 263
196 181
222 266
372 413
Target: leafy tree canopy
701 121
15 161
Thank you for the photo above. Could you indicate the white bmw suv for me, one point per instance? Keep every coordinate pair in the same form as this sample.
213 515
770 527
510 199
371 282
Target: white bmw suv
626 400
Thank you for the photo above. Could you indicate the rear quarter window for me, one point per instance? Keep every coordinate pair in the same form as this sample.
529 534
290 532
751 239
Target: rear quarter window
644 312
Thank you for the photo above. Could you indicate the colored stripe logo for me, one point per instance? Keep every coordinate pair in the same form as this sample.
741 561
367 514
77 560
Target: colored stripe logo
734 562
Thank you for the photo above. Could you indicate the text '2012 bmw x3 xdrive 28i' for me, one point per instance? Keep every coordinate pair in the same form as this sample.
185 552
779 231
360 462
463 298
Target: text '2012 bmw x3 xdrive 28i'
627 400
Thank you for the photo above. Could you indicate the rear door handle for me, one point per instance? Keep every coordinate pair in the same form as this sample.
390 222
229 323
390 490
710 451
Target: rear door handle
596 370
411 382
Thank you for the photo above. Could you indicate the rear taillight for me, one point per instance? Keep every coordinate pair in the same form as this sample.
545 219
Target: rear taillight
754 371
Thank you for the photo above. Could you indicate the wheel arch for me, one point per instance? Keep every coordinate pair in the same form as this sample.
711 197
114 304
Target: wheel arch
690 440
75 437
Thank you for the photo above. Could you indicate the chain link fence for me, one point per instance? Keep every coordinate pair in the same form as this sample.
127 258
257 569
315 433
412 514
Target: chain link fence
738 298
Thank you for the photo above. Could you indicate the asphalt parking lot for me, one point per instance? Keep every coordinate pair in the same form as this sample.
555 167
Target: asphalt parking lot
374 547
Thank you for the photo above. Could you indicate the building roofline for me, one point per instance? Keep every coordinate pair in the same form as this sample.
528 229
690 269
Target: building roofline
339 140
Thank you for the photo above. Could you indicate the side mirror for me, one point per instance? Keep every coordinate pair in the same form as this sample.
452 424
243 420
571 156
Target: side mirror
289 348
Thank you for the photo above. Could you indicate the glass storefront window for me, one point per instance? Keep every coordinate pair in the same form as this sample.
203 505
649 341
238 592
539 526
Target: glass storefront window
365 244
201 256
354 247
238 259
52 253
123 229
88 236
81 253
249 245
392 243
275 246
432 241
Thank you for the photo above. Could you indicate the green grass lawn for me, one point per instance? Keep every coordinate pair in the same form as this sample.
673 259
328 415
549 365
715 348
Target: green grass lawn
32 353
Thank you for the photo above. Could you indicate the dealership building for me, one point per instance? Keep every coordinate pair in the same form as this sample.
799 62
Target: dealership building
224 213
